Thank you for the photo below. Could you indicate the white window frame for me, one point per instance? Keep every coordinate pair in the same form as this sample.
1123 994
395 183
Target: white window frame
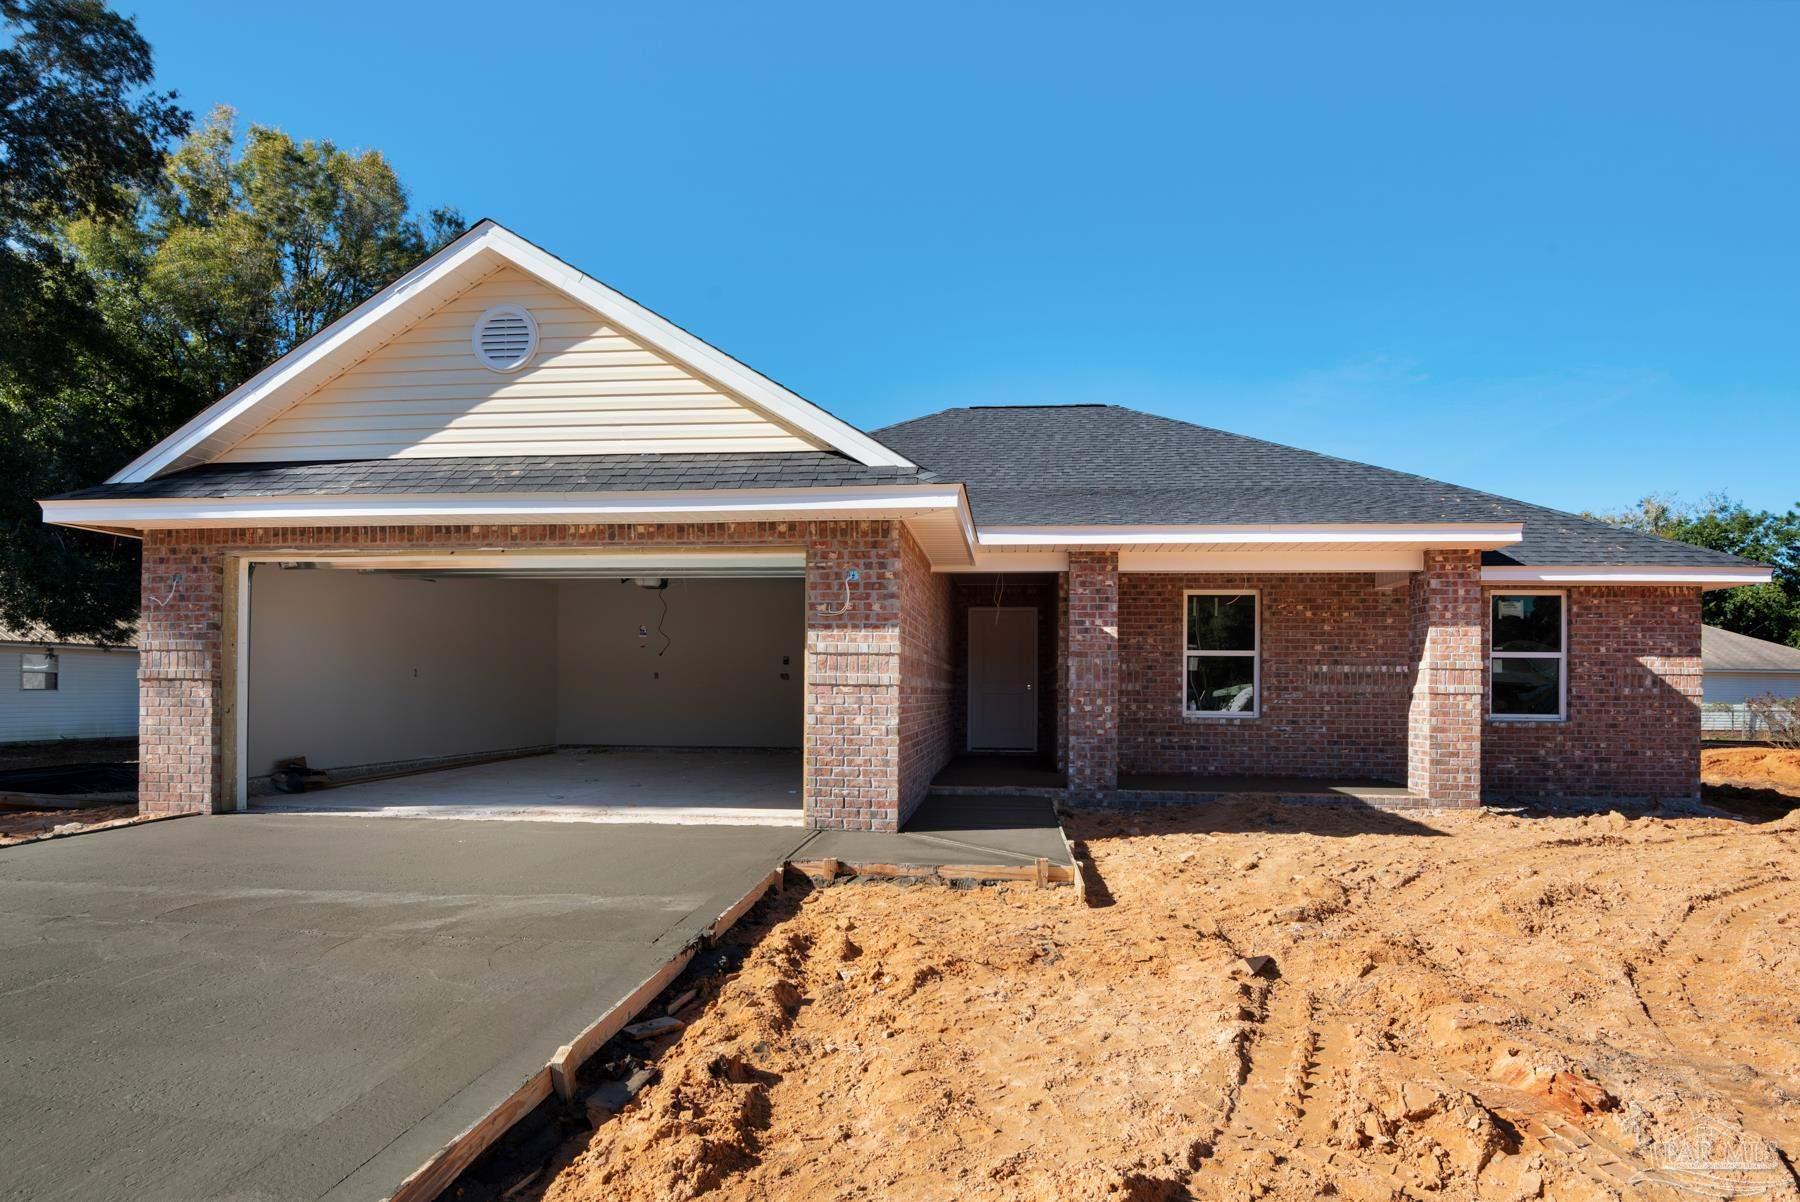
1254 655
1562 672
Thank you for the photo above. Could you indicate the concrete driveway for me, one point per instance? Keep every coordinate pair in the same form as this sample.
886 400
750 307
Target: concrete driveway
301 1007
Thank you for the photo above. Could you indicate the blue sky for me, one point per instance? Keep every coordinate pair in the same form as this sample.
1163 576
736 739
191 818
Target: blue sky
1545 250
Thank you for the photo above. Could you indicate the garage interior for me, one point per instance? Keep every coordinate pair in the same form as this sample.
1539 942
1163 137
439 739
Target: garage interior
662 691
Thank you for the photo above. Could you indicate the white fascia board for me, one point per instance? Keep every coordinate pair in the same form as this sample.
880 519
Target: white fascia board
308 354
664 335
1452 535
487 237
754 504
1599 574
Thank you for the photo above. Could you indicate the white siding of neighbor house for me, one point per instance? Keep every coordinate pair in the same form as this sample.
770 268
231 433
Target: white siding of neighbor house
588 390
719 684
1732 688
96 696
349 669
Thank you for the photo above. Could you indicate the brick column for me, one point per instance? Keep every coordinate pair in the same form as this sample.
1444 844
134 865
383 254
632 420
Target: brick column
1443 753
1091 650
179 674
852 736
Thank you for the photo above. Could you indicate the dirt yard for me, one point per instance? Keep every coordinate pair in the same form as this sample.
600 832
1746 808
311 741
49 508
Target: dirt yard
1454 1006
1757 781
16 826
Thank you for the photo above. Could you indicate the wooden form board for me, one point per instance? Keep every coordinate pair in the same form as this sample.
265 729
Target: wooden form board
558 1076
1042 872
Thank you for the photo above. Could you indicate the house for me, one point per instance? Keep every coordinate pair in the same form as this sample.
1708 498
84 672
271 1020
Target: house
1738 667
501 508
53 688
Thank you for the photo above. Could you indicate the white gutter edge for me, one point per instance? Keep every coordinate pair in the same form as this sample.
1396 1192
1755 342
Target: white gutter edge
1460 535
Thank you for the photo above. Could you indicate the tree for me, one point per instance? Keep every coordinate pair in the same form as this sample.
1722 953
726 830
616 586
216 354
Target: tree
223 264
1765 611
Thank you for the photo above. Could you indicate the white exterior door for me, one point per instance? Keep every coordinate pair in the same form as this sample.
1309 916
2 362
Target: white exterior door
1002 678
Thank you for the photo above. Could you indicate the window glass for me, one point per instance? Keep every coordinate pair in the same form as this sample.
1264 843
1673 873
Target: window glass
1527 686
1221 623
1221 684
1529 622
37 673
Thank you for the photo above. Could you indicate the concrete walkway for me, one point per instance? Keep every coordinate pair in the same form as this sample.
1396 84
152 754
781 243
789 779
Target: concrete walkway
301 1007
676 785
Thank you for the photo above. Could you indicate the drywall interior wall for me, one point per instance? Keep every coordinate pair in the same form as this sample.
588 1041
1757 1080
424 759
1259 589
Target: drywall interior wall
717 680
350 668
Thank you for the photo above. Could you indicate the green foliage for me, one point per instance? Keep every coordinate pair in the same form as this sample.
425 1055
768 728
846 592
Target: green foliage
233 255
1765 611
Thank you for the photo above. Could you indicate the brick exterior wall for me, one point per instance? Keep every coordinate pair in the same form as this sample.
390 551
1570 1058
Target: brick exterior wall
1335 660
1444 726
1633 725
854 670
928 733
1091 639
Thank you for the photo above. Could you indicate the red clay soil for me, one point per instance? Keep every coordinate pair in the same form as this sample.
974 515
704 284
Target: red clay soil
19 825
1456 1006
1773 768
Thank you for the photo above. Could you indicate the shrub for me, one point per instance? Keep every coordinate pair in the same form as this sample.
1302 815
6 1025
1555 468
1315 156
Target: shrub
1777 718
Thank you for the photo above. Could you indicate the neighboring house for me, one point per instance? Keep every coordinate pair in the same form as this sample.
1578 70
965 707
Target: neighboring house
54 688
1739 667
501 506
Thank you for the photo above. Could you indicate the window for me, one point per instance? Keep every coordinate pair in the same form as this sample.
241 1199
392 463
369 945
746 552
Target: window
1221 668
1528 674
37 673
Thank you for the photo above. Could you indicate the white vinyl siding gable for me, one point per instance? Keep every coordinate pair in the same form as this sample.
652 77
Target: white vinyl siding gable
587 389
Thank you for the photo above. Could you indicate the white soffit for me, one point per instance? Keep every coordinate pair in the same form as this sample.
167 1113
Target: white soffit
1602 574
937 515
1346 536
451 270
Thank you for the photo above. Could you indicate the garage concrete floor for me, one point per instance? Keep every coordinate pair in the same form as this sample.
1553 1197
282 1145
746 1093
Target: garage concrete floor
749 787
298 1007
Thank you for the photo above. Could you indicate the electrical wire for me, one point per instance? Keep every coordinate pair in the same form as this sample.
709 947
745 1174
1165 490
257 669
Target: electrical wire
663 600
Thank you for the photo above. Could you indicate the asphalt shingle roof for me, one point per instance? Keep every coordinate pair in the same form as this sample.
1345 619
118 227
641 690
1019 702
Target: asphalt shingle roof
513 473
1027 465
1728 651
1105 465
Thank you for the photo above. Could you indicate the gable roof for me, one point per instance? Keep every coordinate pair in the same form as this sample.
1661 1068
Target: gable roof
1728 651
1106 465
455 267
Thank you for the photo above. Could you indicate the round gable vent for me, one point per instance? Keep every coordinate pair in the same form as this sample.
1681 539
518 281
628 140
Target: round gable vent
504 338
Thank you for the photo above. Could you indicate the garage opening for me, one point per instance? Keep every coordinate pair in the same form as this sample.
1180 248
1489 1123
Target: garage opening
625 690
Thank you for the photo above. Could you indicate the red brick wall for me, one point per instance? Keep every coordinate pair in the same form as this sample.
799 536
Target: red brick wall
1444 718
927 674
853 775
1334 679
1633 725
1091 673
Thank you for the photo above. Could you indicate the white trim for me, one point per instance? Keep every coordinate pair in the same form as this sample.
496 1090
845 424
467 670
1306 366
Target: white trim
607 560
481 508
489 238
1010 561
1255 654
969 684
1723 577
1388 559
1562 656
1472 535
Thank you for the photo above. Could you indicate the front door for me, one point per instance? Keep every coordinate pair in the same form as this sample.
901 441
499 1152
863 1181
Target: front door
1002 678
